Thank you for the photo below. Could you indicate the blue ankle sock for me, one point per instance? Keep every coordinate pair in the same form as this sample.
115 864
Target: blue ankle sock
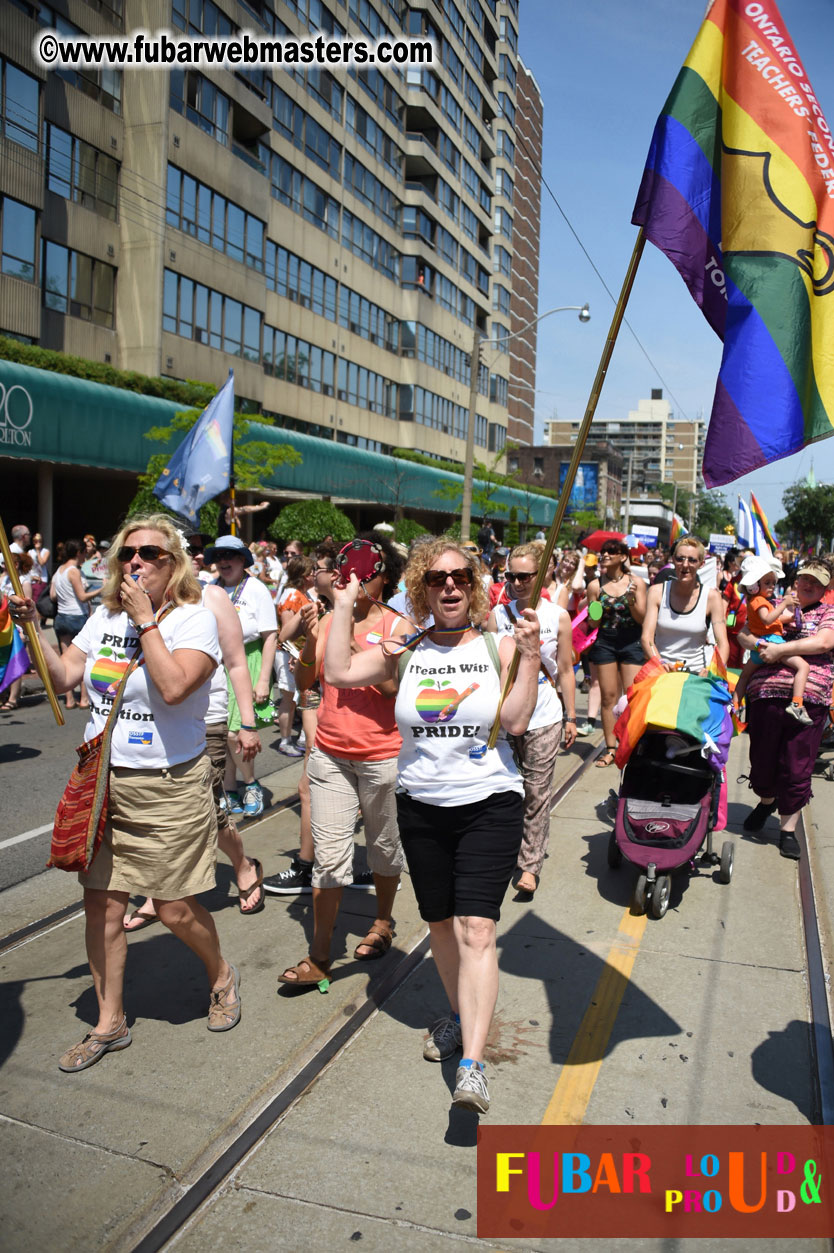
455 1017
468 1062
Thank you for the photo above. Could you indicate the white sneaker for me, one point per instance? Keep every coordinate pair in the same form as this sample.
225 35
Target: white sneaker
445 1039
471 1089
800 713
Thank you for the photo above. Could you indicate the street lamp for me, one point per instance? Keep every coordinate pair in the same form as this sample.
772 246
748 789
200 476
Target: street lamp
584 313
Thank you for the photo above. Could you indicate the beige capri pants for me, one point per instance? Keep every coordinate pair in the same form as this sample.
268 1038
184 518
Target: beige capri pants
338 786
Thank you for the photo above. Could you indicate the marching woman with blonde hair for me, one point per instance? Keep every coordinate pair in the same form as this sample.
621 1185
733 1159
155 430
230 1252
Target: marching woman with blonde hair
161 834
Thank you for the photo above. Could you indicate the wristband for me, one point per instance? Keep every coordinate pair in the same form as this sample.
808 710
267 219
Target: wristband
147 626
243 727
569 719
302 662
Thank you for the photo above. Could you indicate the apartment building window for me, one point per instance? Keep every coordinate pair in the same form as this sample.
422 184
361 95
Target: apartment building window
455 19
104 86
504 185
291 121
370 134
299 281
502 262
196 209
304 196
371 247
506 70
452 63
448 200
498 389
17 232
360 386
506 108
197 312
363 317
498 439
19 105
293 360
471 137
469 222
448 152
201 103
323 87
80 172
501 299
78 285
316 15
507 32
381 90
503 223
499 333
418 225
371 23
474 96
504 146
201 17
447 245
367 187
450 107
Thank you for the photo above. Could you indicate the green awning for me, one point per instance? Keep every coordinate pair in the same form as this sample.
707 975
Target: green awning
46 416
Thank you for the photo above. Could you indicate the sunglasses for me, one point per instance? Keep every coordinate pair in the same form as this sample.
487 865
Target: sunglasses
690 561
148 552
461 577
523 577
194 550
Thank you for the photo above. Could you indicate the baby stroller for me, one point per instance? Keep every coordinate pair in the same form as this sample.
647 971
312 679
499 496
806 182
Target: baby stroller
666 810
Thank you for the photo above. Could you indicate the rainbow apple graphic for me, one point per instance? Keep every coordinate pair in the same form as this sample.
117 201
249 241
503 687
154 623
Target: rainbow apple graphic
438 702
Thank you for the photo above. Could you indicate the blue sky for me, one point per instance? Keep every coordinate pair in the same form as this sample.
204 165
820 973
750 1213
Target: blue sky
605 68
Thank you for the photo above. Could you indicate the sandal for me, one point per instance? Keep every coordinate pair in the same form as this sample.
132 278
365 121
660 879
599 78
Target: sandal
9 704
607 758
243 894
224 1009
307 974
377 940
522 889
136 920
93 1047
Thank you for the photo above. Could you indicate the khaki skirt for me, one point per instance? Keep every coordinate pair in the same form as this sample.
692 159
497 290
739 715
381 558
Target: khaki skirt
161 833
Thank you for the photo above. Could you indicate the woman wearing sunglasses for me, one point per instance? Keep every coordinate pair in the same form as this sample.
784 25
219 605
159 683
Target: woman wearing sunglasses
536 749
680 611
161 834
616 652
459 803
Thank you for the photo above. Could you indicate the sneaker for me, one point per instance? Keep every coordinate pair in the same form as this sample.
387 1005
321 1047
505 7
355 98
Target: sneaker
445 1039
223 803
301 742
471 1089
295 880
800 713
364 880
289 749
586 728
757 817
253 800
235 804
789 845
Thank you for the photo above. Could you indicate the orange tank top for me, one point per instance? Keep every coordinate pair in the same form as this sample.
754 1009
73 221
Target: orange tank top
358 723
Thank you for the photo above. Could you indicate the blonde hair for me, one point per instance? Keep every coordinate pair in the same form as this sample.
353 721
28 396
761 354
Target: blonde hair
183 588
423 558
534 550
690 541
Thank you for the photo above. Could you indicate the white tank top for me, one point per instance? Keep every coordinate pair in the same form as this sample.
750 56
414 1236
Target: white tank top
683 636
218 707
68 603
445 709
548 706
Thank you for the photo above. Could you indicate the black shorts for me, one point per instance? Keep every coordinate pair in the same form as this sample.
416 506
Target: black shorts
461 858
622 649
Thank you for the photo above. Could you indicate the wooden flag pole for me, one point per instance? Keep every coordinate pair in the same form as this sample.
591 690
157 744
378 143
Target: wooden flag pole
581 440
35 650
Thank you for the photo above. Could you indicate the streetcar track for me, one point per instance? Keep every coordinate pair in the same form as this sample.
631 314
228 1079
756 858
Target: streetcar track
821 1042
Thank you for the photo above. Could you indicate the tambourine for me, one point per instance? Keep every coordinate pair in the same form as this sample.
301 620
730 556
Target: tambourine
359 557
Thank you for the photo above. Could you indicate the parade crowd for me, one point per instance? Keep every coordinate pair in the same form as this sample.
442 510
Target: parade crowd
383 668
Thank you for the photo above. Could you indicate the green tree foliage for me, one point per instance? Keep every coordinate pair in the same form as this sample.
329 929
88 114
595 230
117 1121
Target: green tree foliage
406 529
309 521
583 522
809 512
511 537
712 514
255 461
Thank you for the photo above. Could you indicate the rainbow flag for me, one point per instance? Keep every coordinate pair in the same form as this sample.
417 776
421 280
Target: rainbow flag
760 517
738 191
14 659
676 530
698 705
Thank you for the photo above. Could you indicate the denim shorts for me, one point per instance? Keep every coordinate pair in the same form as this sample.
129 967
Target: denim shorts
69 624
616 649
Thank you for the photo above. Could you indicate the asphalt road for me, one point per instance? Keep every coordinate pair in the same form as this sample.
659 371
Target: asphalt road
36 759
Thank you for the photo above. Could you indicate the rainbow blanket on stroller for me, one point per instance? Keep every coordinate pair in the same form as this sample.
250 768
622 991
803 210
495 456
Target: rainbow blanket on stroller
697 705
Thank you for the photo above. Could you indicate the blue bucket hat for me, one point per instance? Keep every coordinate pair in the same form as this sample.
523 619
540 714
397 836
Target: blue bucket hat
229 545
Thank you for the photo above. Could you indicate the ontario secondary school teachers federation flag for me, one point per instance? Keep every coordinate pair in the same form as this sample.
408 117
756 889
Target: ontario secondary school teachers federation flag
738 191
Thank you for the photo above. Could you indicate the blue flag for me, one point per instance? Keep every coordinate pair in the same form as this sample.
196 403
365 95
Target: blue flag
200 468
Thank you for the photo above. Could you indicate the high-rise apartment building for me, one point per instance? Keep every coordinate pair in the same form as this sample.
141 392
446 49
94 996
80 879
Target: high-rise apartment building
525 164
662 448
335 237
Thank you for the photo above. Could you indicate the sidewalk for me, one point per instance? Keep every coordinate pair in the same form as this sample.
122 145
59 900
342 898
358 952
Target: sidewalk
710 1029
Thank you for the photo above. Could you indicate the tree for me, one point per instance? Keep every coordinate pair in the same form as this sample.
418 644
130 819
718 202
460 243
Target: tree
406 529
511 537
485 483
583 522
809 513
712 514
255 461
309 521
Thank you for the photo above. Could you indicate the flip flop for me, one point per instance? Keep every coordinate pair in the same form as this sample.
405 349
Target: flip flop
136 920
245 893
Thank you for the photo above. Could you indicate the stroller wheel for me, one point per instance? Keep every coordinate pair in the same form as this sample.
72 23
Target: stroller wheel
615 857
638 896
725 872
660 896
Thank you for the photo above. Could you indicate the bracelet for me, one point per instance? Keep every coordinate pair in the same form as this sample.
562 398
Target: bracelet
569 719
243 727
302 662
147 626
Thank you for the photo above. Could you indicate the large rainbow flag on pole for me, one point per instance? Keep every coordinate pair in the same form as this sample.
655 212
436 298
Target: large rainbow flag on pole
14 659
698 705
738 191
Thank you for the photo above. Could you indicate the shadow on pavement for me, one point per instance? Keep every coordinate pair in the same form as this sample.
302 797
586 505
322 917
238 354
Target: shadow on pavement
782 1064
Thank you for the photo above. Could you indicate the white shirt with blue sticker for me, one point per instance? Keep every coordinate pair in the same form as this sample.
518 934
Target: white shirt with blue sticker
148 733
548 706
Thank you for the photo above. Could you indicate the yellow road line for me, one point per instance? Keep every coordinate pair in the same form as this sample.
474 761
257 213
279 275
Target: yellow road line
579 1074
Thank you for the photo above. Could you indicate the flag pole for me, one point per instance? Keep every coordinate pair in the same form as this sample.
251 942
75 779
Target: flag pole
35 650
581 440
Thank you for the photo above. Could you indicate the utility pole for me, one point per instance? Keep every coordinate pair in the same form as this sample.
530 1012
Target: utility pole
626 517
469 463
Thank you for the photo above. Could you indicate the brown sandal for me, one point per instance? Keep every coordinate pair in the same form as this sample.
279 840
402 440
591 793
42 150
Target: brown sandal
607 758
377 940
224 1006
307 974
93 1047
